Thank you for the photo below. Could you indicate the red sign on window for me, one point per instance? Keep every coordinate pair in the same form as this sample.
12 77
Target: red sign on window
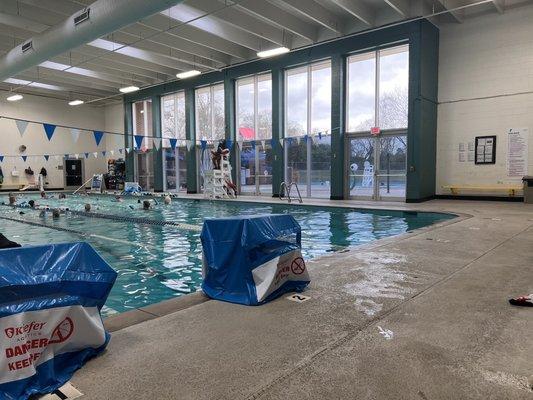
375 130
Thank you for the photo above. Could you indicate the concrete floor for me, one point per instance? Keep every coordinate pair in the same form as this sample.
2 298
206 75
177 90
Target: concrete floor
419 316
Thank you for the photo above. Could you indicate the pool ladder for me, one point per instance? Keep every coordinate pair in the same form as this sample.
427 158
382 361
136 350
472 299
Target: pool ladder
287 188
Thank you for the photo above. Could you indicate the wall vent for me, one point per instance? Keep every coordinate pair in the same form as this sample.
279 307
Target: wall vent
27 46
83 16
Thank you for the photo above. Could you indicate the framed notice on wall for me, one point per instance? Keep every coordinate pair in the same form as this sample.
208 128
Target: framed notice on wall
517 152
485 150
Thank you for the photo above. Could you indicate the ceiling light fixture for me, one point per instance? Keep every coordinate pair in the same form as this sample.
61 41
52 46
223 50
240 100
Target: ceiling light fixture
129 89
75 102
15 97
273 52
188 74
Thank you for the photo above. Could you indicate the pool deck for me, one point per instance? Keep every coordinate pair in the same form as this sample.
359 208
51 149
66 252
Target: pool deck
418 316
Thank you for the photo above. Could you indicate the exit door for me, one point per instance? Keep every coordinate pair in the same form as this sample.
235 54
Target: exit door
377 167
73 173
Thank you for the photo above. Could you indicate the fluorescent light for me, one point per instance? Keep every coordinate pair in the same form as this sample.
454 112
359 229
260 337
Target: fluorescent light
188 74
75 102
129 89
272 52
15 97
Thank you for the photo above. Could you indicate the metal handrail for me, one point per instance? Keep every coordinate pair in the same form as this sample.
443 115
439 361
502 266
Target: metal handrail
297 189
288 190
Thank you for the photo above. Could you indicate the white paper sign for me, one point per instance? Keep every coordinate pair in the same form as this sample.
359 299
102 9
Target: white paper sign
517 152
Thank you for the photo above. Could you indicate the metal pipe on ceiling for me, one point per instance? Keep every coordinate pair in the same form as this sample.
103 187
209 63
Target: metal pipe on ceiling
105 17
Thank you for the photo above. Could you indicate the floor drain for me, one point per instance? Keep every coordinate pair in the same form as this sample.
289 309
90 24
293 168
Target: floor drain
65 392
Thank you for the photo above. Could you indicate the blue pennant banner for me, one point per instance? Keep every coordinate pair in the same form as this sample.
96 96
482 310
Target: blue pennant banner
49 130
46 157
203 144
24 158
253 144
229 144
138 141
86 155
173 143
273 143
1 158
120 151
104 153
319 135
98 135
66 155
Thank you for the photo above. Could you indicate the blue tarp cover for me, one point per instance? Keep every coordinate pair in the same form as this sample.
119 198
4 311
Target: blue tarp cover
50 301
234 247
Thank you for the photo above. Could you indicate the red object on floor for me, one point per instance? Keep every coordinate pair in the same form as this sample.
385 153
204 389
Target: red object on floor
524 301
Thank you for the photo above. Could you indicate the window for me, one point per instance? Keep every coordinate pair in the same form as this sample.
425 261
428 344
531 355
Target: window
254 119
210 121
308 112
378 89
143 159
173 127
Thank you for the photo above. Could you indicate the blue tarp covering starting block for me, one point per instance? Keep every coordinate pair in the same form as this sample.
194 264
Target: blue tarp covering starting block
252 260
50 323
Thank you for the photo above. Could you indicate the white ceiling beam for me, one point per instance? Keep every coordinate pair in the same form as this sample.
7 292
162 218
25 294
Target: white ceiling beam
318 13
457 15
499 5
402 7
216 26
359 10
197 36
281 18
241 20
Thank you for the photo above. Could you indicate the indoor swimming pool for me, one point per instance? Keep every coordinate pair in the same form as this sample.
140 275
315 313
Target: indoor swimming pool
156 261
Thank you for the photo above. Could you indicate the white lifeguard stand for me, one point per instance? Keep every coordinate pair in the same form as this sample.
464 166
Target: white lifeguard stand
218 182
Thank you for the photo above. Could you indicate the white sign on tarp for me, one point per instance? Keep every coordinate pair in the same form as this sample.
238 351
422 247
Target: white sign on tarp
517 152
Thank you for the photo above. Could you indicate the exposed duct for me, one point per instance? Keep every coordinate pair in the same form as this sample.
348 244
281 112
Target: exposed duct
106 16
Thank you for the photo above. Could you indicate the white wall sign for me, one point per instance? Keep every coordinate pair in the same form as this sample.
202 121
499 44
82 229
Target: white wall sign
517 152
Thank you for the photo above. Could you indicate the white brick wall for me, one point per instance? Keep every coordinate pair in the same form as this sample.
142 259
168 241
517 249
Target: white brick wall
489 56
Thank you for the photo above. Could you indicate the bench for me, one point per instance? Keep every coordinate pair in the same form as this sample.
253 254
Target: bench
510 189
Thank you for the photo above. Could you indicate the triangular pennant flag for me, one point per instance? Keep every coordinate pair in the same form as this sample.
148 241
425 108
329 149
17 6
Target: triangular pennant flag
319 135
138 141
86 155
203 144
46 157
281 142
21 126
24 158
112 152
95 154
229 144
298 140
75 134
253 144
103 153
263 143
66 155
98 135
306 137
49 130
189 144
157 142
173 143
76 156
127 149
239 144
120 151
272 143
1 158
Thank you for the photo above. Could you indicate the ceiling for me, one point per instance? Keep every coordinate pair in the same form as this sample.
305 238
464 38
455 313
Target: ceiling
198 34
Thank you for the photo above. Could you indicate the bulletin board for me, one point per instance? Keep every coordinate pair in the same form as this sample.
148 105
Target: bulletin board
485 150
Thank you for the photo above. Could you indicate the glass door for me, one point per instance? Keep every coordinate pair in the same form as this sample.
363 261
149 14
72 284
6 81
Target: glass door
392 168
381 180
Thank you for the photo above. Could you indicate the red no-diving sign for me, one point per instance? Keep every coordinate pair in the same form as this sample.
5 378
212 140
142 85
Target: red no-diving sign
298 266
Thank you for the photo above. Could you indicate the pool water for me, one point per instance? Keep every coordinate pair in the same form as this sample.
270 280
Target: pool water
158 262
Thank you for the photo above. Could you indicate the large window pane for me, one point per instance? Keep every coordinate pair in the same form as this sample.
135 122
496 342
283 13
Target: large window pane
265 169
210 121
296 167
142 125
321 167
296 102
393 87
264 106
320 97
361 92
245 109
248 170
173 126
